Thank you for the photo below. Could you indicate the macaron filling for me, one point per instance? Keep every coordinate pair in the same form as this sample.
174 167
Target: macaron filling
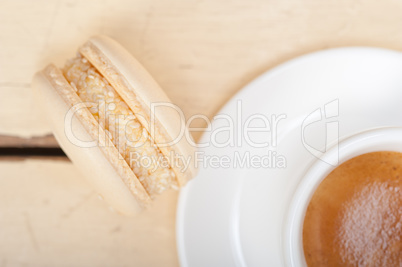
126 132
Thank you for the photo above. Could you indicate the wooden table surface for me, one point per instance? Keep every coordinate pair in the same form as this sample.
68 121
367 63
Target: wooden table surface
201 52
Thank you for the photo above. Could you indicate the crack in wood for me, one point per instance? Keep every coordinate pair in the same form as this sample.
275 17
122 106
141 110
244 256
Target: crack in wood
34 141
31 152
14 148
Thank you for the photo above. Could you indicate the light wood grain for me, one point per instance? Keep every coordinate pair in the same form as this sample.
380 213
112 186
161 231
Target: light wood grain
201 53
49 216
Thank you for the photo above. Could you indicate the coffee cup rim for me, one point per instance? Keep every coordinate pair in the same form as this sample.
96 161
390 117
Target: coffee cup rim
373 140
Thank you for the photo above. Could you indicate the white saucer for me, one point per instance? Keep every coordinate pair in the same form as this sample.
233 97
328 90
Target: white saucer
237 216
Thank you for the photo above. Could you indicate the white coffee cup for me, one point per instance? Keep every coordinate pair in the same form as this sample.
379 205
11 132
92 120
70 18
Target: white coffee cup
380 139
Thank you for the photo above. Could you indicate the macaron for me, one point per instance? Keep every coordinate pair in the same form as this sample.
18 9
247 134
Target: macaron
116 125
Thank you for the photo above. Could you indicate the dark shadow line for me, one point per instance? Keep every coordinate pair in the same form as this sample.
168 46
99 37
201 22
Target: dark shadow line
31 152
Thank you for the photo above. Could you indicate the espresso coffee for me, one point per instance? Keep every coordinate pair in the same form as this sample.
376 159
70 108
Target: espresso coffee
355 216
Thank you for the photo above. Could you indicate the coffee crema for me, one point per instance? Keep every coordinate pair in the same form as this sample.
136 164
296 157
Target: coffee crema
355 215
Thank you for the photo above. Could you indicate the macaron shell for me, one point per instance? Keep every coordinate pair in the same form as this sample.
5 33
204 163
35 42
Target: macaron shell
139 90
111 178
